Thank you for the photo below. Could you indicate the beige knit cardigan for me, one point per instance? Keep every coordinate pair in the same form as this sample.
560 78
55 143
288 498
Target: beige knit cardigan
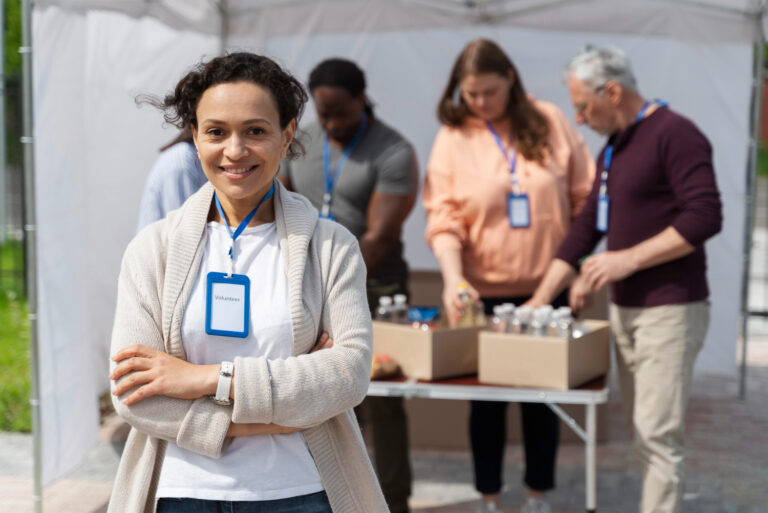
326 278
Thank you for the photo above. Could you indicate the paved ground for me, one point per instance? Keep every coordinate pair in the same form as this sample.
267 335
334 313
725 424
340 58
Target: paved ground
727 465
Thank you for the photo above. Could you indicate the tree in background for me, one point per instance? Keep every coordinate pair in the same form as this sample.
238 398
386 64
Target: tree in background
14 329
13 82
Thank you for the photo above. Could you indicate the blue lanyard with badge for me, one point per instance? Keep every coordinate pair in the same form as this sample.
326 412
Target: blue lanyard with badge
518 205
603 200
228 295
330 179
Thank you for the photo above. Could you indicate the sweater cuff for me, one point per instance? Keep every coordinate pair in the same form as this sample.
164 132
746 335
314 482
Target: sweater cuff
569 256
204 428
253 391
694 233
444 242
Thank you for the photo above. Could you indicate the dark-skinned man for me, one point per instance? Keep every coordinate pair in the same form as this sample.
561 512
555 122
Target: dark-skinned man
363 174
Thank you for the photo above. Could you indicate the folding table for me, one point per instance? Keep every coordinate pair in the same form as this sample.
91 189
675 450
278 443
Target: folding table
469 388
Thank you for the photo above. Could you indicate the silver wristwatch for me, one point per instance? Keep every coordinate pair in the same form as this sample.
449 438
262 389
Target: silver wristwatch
225 382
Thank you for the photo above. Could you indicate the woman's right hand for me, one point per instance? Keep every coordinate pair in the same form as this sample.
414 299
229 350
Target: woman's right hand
454 307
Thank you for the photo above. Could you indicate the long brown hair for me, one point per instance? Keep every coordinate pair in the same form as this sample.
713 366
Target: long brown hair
530 127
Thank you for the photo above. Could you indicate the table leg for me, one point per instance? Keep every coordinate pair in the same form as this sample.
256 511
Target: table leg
590 458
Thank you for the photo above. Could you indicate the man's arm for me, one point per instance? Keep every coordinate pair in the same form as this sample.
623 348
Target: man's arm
393 197
687 158
558 276
611 266
386 215
580 240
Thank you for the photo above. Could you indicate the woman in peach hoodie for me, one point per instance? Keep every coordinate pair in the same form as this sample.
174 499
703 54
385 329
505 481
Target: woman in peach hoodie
506 176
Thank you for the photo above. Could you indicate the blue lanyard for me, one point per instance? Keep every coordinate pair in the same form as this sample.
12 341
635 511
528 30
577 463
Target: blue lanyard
510 156
330 179
608 155
242 225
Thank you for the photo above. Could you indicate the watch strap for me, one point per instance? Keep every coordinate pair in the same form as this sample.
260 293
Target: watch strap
225 382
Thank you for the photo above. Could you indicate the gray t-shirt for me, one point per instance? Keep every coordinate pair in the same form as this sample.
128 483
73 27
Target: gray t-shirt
383 161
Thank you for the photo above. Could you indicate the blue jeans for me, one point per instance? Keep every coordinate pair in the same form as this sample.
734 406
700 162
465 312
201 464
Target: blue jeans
312 503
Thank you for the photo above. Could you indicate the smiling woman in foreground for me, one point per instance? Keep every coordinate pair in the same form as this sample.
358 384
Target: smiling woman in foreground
215 361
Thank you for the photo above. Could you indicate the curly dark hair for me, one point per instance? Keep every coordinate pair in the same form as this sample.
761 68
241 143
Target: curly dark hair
485 56
179 107
341 73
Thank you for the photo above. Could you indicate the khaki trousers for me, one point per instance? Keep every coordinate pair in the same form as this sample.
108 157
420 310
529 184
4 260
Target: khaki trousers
656 348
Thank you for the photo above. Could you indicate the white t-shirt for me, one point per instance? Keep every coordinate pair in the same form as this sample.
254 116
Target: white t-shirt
251 468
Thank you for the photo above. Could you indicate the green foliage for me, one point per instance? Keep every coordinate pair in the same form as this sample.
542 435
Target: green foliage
12 36
13 122
13 81
15 413
762 160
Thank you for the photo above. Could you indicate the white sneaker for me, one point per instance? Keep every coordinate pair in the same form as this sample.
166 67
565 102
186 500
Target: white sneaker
488 507
534 505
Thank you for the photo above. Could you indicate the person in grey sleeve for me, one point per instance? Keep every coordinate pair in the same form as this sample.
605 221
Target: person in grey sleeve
363 174
174 177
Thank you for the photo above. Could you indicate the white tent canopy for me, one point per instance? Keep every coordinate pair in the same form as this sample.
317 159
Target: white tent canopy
93 147
702 21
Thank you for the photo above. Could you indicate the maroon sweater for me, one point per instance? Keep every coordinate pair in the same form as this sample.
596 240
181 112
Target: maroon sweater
661 175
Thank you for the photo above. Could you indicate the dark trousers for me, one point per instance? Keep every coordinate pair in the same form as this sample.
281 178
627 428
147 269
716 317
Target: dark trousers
488 432
312 503
386 419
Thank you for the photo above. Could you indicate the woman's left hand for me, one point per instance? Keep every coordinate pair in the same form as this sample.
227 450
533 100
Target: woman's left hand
157 373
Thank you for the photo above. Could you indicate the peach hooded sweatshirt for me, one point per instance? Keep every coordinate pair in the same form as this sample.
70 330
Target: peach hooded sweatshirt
465 196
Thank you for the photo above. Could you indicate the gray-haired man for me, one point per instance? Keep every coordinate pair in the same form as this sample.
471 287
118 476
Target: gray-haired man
656 201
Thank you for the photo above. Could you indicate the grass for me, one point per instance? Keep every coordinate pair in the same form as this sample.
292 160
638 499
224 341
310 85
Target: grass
15 413
762 160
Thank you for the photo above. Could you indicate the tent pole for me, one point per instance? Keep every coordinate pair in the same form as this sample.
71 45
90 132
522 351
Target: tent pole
30 236
758 76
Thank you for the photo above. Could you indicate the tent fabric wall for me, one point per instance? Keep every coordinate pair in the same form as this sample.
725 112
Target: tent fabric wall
94 147
93 150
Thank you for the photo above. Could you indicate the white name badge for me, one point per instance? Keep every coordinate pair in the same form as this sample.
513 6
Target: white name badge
518 210
603 204
227 305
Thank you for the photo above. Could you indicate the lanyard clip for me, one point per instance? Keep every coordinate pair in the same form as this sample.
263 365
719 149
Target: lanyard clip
325 211
231 260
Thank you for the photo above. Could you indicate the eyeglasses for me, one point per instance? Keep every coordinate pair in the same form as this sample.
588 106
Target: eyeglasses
582 106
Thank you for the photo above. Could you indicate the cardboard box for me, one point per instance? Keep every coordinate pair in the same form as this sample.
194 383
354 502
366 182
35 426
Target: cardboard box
434 354
544 361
